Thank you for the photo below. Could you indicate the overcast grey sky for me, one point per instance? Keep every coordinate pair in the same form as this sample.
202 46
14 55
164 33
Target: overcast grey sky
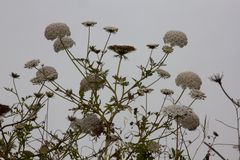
212 27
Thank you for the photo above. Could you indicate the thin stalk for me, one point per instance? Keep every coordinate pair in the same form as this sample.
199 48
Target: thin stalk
118 70
177 138
180 96
88 42
149 58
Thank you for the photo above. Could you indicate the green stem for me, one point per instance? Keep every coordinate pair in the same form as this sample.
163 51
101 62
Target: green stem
118 70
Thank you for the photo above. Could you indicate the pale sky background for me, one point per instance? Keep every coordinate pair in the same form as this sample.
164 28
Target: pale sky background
212 27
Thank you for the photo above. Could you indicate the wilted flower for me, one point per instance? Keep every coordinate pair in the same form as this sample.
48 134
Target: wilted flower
188 80
167 49
63 43
152 46
89 23
46 73
184 115
31 64
110 29
217 78
163 74
90 124
175 38
57 30
92 82
167 91
197 94
121 49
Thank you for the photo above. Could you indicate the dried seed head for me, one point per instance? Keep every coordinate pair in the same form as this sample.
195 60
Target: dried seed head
89 23
121 49
32 64
111 29
152 46
167 92
46 73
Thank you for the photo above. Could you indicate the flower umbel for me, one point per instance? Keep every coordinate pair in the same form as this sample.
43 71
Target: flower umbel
185 116
63 43
90 124
167 91
57 30
32 64
188 80
121 49
175 38
92 82
152 46
89 23
163 74
197 94
110 29
46 73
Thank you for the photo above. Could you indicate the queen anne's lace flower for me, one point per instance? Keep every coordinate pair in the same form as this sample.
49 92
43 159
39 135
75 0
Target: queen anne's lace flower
143 90
162 73
57 30
31 64
63 43
184 115
90 124
121 49
188 80
111 29
152 46
197 94
175 38
89 23
46 73
167 91
167 49
91 82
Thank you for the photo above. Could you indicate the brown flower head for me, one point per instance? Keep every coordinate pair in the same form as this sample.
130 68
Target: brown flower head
110 29
152 46
121 49
89 23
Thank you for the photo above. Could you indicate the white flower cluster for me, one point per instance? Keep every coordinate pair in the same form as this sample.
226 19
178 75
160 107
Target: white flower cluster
63 43
31 64
91 82
197 94
175 38
60 32
57 30
90 124
167 91
185 116
188 80
46 73
162 73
